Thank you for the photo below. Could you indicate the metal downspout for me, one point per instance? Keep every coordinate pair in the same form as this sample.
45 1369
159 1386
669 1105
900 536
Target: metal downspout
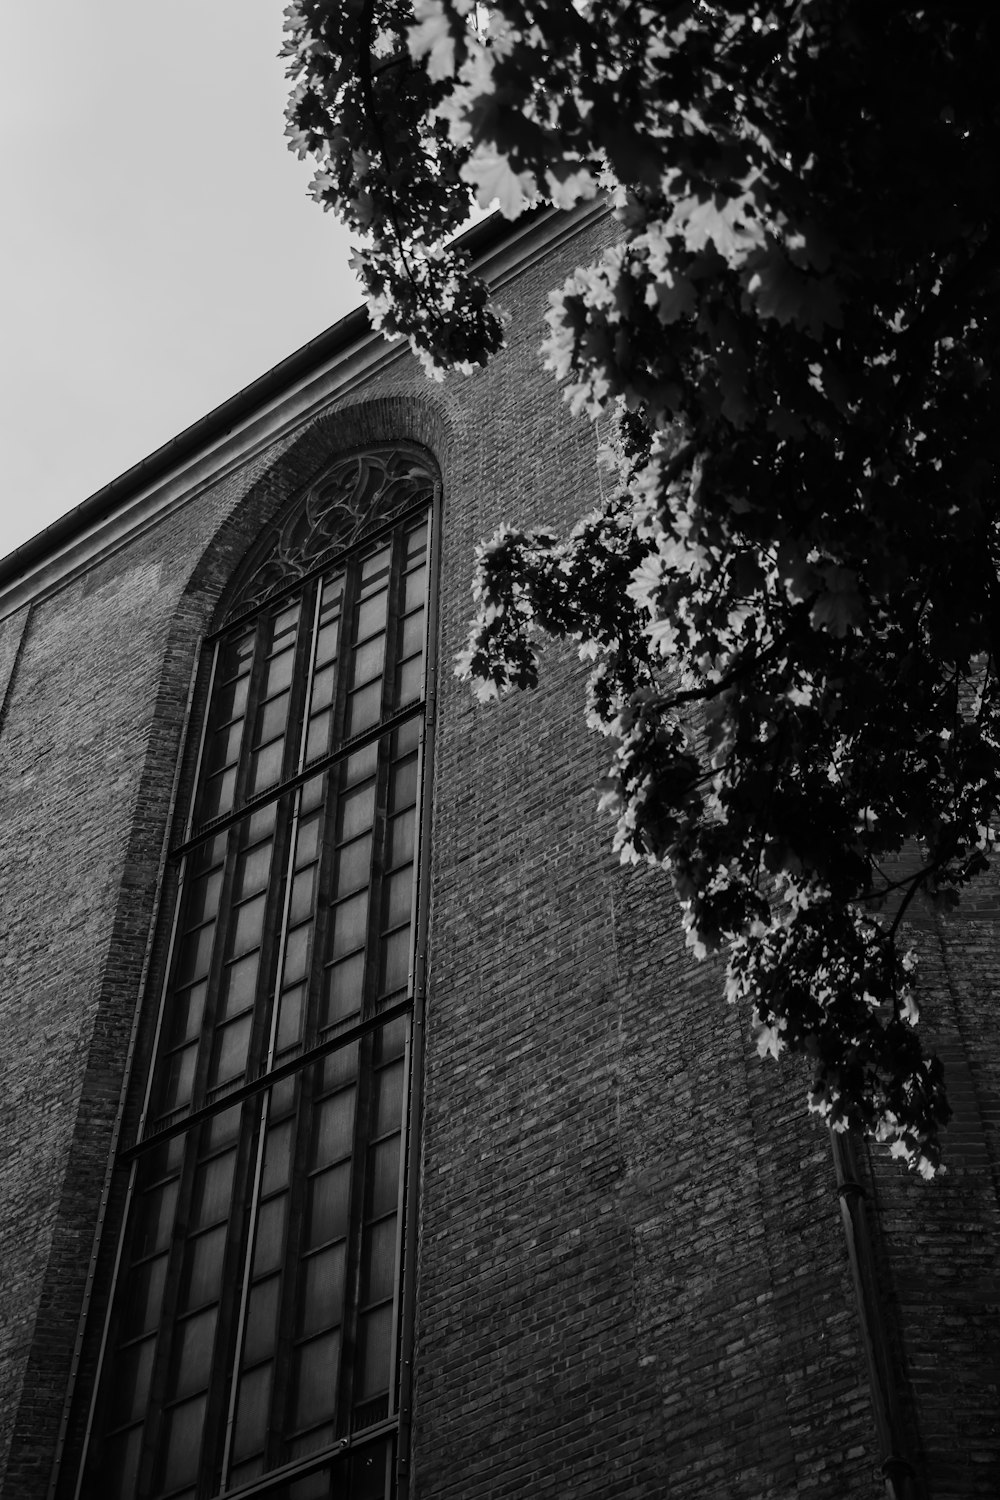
897 1471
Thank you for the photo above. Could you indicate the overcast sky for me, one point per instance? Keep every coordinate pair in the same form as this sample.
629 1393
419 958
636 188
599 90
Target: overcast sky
158 250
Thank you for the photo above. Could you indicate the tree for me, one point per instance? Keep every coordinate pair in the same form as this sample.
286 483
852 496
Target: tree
791 598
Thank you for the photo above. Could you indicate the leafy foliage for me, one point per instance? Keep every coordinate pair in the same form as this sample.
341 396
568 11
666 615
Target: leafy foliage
791 598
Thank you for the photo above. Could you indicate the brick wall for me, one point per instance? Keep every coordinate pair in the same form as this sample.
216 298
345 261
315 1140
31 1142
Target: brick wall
632 1276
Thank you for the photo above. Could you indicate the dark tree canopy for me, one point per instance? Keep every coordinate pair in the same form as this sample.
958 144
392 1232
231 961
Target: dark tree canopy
791 598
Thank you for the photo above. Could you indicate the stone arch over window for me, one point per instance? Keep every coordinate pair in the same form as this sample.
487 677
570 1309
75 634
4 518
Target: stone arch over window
261 1302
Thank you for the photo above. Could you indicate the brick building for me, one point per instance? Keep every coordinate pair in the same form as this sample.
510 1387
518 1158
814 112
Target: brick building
366 1130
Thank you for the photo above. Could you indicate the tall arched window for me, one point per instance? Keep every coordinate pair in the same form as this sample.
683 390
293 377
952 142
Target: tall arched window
253 1340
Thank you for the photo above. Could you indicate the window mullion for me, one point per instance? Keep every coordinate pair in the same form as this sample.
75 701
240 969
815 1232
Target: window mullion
281 1391
345 651
199 760
153 1430
294 760
373 937
229 1326
405 1127
392 623
285 879
352 1276
247 1260
302 682
262 643
224 924
296 768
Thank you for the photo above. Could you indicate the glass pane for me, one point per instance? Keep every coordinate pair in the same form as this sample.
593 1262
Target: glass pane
416 540
397 897
409 680
343 989
318 738
239 984
252 870
370 616
231 699
302 896
321 1298
290 1018
389 1096
317 1486
185 1012
390 1040
371 1471
414 589
178 1078
353 865
202 1280
394 964
375 565
374 1337
356 811
277 1157
403 784
383 1181
249 925
251 1413
268 1247
333 590
156 1219
333 1128
282 1097
203 898
313 793
350 924
322 693
307 838
221 1130
218 796
209 853
162 1161
326 644
368 661
406 739
144 1294
378 1268
182 1443
243 1473
213 1187
229 1051
262 1320
359 766
260 825
120 1468
399 842
271 717
337 1068
195 954
327 1200
265 766
286 620
133 1367
192 1352
279 672
296 954
411 636
364 708
316 1385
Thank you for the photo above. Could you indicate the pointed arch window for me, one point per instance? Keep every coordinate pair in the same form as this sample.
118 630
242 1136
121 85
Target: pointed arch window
253 1343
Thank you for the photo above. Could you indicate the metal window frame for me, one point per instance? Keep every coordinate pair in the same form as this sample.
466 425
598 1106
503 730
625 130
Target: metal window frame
252 1139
